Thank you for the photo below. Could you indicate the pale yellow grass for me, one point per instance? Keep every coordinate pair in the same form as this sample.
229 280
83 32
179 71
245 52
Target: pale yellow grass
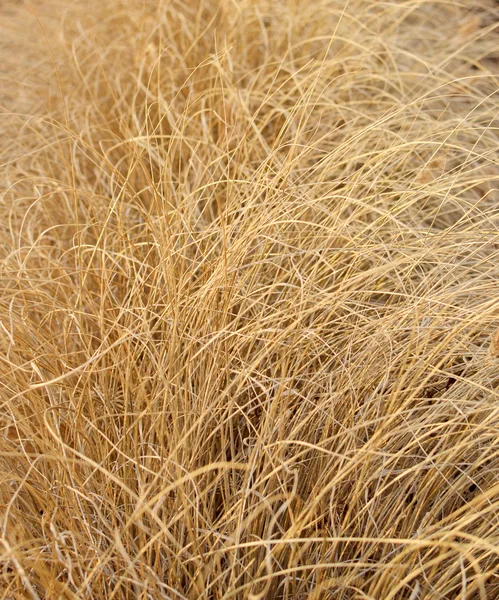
249 262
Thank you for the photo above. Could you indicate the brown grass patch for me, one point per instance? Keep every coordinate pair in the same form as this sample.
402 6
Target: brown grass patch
249 266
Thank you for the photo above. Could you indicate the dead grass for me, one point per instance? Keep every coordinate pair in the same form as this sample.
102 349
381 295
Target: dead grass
249 261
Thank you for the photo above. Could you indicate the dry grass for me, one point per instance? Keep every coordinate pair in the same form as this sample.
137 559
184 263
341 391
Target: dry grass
249 261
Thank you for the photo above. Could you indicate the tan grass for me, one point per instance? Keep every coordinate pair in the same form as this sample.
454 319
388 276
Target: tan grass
249 262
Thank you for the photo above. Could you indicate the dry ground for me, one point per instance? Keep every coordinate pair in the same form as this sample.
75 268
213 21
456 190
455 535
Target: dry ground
249 285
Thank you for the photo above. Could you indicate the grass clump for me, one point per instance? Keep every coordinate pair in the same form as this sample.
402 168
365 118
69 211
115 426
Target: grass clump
249 265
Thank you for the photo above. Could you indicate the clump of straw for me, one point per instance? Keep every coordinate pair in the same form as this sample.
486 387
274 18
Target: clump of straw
249 265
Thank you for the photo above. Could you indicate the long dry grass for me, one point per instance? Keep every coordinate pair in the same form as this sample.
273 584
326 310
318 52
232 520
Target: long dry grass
249 261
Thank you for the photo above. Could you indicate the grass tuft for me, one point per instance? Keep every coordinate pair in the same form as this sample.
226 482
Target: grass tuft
249 300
